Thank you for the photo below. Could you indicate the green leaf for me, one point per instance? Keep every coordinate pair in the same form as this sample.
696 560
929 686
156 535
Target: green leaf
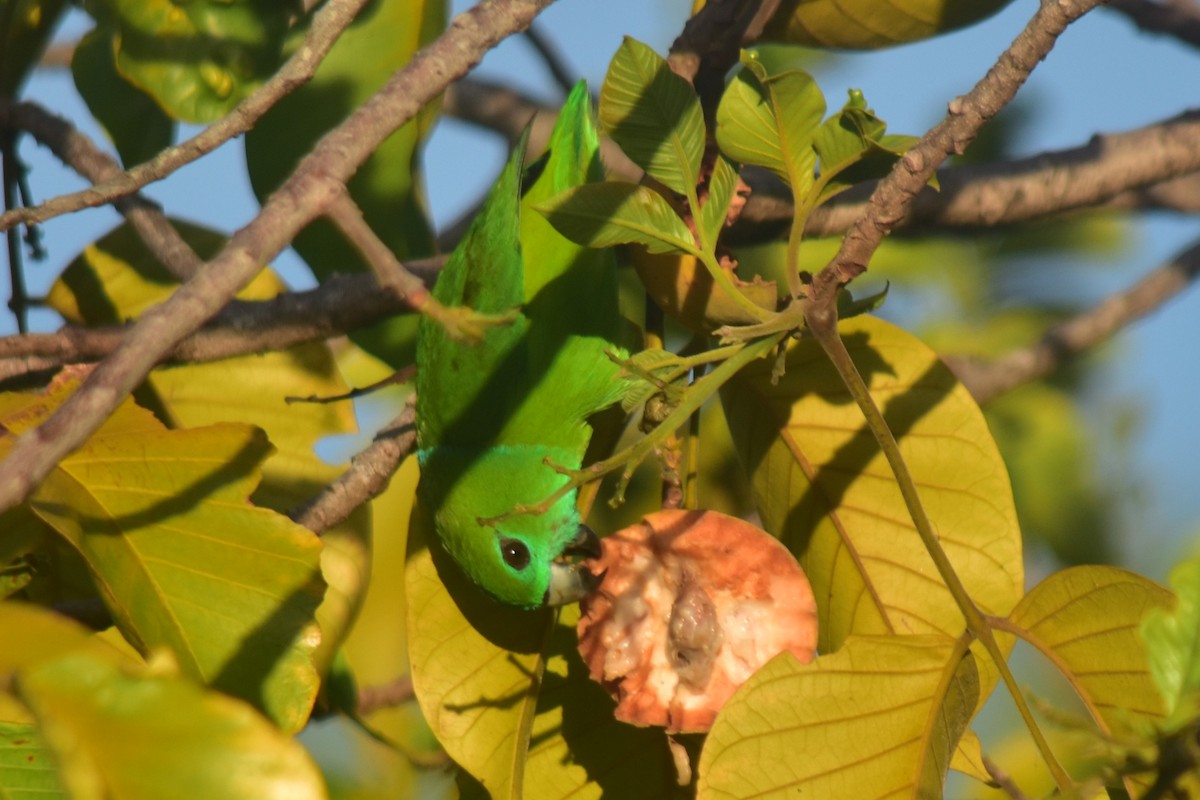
902 702
767 117
1085 620
135 123
722 188
27 769
25 27
1172 639
183 560
607 214
823 486
120 732
654 115
197 59
853 147
387 187
872 24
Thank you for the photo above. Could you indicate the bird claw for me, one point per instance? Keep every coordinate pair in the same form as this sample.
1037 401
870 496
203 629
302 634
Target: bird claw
467 324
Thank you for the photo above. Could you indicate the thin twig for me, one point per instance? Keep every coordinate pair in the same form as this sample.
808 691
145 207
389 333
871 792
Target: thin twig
551 58
342 304
893 197
987 379
1004 780
460 323
328 23
387 695
1177 18
303 197
389 272
10 169
366 478
79 152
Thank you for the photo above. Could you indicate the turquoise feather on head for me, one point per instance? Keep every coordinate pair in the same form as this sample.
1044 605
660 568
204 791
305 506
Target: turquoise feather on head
492 416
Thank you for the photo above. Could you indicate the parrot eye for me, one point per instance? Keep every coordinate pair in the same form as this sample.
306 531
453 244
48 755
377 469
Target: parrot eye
515 553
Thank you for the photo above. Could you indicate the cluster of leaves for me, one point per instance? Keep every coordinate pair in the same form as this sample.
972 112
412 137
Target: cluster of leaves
890 703
225 620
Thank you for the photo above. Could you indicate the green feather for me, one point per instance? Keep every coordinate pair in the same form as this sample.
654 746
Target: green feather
492 413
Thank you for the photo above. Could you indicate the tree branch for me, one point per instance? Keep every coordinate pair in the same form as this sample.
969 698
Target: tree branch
342 304
711 41
893 197
111 183
552 59
1134 168
82 155
987 379
387 695
1178 18
315 183
366 478
1149 168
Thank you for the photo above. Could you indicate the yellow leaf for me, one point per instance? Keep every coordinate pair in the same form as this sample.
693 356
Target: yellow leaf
879 718
33 635
968 757
578 749
476 665
183 560
507 694
823 486
1085 621
148 734
871 24
116 279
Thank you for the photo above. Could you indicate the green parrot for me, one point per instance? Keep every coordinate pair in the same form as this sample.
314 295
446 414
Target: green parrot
493 417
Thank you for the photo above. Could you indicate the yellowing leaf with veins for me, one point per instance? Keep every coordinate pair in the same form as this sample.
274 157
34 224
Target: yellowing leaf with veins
1085 621
872 24
150 733
880 718
115 279
183 559
823 486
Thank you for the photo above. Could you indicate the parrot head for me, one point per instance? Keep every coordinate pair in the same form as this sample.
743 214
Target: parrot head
524 559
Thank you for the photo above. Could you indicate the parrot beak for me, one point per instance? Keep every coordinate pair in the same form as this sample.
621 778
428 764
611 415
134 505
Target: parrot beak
571 582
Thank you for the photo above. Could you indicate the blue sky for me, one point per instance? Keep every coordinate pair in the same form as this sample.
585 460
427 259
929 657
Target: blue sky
1103 77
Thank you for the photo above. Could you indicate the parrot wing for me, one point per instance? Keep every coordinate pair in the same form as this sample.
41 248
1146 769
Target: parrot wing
571 298
465 390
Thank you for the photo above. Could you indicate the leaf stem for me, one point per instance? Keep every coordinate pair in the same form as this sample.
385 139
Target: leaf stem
822 323
685 364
